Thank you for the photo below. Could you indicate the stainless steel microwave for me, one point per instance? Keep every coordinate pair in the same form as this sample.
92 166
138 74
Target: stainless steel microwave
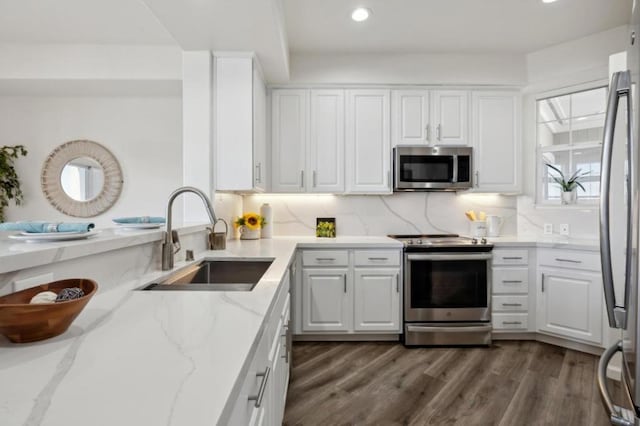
432 168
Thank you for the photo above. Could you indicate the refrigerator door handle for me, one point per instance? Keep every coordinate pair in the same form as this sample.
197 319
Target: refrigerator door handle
620 86
617 415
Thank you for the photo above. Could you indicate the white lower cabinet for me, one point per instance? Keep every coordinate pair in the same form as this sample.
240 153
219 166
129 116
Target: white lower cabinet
570 303
325 300
261 400
512 290
376 299
356 291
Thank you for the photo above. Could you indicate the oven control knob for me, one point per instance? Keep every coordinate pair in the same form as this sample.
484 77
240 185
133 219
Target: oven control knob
474 241
483 241
418 242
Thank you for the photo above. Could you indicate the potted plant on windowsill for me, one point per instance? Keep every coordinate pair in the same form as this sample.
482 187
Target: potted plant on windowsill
569 186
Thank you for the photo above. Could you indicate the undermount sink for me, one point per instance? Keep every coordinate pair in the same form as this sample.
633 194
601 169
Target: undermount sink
215 275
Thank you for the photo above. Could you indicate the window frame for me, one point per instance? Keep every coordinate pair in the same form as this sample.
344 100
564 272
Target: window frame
540 168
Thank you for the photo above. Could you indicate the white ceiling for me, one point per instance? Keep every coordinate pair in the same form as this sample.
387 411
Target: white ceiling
452 26
80 21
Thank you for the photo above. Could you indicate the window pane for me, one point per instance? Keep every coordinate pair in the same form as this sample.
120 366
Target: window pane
552 133
587 129
590 102
560 160
554 109
587 160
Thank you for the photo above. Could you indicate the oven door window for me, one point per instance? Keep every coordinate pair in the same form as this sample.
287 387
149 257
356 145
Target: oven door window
426 168
449 284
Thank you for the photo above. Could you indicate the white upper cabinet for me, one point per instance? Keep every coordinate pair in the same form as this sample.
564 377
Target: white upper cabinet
289 139
450 117
240 118
496 137
326 147
410 117
368 142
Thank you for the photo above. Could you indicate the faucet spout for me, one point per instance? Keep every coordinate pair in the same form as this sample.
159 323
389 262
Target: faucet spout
168 244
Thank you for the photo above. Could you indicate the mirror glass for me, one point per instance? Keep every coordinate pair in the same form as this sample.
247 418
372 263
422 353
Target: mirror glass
82 179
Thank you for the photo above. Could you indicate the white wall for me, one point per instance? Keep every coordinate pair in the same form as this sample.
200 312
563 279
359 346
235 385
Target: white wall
478 69
566 67
144 134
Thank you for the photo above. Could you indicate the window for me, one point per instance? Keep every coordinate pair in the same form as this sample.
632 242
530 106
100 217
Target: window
569 137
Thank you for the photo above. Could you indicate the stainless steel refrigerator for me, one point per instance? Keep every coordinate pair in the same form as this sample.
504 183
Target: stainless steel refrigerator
619 228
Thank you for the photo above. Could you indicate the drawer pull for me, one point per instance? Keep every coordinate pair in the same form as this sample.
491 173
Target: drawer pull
378 258
512 304
325 259
567 260
512 281
511 322
263 386
512 257
344 277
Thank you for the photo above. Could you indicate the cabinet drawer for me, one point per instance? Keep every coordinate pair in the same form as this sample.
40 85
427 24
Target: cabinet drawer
510 303
510 321
325 258
377 257
510 280
574 259
511 257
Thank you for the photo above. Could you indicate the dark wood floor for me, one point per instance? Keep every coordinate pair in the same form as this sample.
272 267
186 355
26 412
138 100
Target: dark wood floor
511 383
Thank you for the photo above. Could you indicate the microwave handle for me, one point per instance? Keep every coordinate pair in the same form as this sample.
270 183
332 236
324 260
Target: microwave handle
455 170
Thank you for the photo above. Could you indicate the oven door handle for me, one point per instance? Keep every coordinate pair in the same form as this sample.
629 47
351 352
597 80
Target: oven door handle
462 329
466 256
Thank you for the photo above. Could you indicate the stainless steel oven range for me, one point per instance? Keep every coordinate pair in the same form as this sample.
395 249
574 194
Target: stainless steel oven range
447 290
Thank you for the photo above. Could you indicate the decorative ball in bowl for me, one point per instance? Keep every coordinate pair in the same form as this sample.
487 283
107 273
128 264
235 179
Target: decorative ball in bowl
23 322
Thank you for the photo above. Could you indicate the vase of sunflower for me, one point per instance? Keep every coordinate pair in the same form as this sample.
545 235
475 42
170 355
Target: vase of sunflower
249 225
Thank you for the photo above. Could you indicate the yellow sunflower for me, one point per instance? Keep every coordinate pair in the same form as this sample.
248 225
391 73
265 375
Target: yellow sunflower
252 221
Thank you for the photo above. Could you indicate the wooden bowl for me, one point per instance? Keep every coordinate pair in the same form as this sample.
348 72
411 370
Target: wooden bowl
23 322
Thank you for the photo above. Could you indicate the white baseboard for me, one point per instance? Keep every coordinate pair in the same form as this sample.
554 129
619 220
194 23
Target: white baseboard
346 337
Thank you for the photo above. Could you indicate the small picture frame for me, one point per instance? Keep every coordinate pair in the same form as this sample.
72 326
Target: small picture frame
326 227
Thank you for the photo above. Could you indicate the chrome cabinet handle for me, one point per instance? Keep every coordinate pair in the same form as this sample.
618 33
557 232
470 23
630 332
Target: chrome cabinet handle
379 258
325 259
428 133
263 386
512 257
438 131
620 86
301 178
389 178
511 322
512 304
543 282
259 173
568 260
314 178
397 283
344 280
477 179
512 281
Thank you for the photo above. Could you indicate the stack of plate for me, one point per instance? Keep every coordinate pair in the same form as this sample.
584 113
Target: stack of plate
32 237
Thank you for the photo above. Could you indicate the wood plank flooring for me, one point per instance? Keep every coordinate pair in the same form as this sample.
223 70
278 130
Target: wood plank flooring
511 383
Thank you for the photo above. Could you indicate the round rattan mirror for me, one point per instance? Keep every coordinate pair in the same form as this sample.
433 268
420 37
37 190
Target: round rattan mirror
81 178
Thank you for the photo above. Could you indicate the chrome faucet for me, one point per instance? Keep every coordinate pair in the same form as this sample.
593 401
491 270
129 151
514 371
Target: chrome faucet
171 237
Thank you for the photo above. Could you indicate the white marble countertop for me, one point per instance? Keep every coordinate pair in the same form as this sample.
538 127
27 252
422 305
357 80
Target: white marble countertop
147 357
546 242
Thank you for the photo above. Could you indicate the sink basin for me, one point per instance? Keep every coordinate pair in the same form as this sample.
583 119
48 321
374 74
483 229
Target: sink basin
215 275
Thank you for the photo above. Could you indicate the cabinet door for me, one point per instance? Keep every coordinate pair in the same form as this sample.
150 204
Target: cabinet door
233 95
326 148
377 300
570 304
496 140
259 132
289 138
410 117
325 300
451 117
368 142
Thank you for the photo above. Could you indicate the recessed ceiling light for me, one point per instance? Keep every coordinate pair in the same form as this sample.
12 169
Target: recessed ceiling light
548 1
360 14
